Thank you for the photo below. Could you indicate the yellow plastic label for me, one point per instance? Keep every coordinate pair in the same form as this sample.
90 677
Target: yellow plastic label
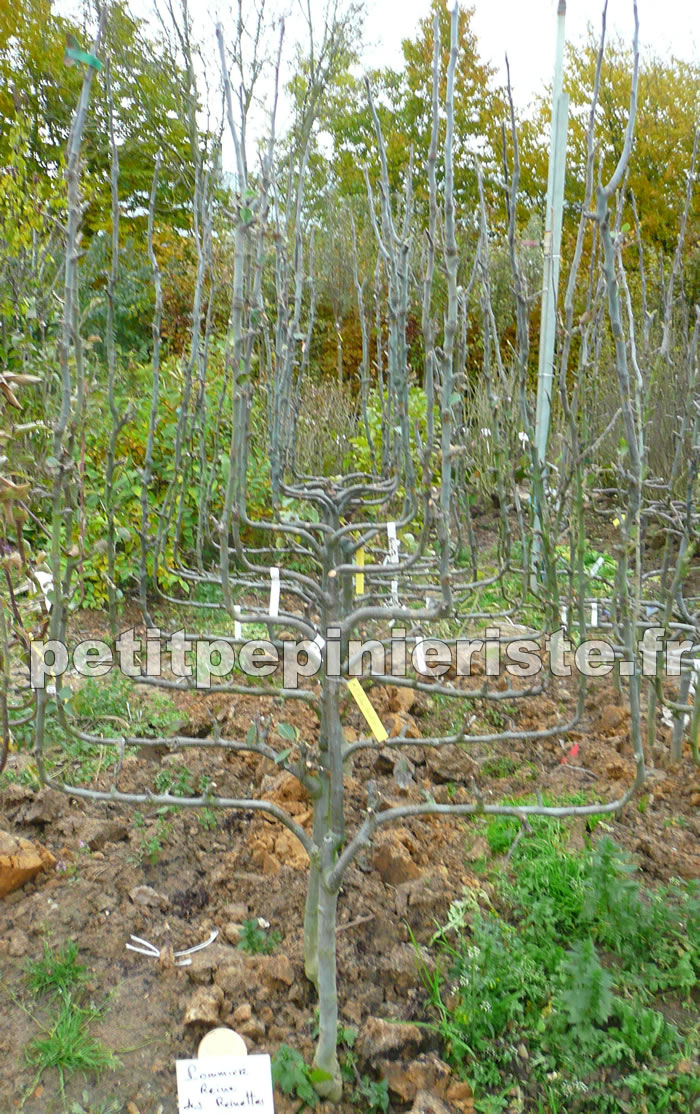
362 700
360 576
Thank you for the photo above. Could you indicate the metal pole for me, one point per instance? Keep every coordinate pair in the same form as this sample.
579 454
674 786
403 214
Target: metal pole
552 252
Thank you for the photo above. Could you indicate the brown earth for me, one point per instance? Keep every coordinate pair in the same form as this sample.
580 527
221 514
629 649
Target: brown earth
103 888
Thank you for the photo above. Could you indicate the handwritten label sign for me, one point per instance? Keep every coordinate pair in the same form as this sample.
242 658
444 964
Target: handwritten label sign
235 1083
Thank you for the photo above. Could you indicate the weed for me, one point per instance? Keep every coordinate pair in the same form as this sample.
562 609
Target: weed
67 1043
28 775
102 705
500 766
56 971
85 1106
103 708
152 839
177 782
208 819
571 968
494 717
371 1095
256 939
587 991
294 1077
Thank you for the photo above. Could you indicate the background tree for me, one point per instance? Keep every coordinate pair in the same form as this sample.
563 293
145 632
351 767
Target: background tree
668 113
403 101
40 89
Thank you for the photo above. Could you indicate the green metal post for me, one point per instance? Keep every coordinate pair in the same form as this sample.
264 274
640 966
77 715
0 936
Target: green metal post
552 252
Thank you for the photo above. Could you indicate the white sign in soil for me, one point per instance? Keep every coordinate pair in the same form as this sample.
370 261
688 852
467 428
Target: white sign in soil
237 1083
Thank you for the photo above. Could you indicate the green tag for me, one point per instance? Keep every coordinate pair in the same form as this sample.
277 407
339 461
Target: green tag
82 56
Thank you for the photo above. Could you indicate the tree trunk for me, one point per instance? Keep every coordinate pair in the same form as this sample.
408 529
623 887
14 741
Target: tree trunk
326 1058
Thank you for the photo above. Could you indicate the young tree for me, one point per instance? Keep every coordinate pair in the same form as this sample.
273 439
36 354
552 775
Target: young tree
295 569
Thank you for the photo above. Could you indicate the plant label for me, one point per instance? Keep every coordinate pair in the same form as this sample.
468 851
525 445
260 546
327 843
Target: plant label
360 576
274 592
364 704
220 1083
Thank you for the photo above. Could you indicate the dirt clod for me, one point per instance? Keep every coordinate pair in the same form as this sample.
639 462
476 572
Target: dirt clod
204 1006
95 833
18 944
148 898
394 864
427 1103
20 860
381 1040
427 1073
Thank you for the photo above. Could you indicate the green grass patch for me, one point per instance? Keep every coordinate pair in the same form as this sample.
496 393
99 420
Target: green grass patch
57 972
576 990
65 1042
499 766
110 707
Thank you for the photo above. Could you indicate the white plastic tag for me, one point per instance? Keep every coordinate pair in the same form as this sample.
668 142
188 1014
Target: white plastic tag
393 559
598 565
46 584
274 592
393 543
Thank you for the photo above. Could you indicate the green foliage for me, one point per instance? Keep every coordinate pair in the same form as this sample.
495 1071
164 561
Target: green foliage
177 782
499 766
361 457
587 991
87 1106
27 209
91 588
503 595
133 297
152 839
667 111
294 1077
369 1094
572 971
256 938
67 1043
69 1046
208 820
100 702
372 1095
150 101
57 971
187 486
105 707
611 893
404 98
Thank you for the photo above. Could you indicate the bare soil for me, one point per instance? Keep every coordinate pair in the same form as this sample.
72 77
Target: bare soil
105 888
